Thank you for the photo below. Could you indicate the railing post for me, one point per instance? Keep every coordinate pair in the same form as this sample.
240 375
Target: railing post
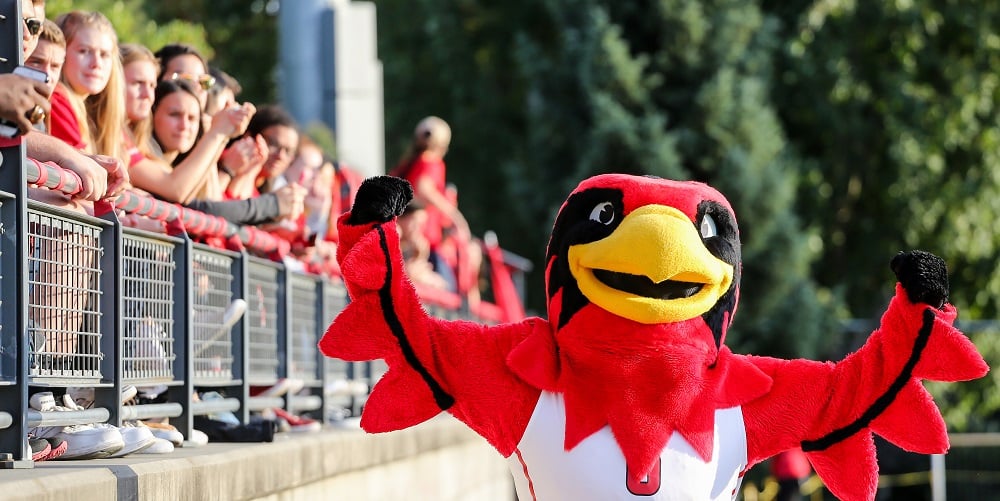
241 346
319 371
13 272
938 478
183 338
282 323
108 395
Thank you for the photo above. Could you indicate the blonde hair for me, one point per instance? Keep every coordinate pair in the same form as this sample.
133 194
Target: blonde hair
142 131
431 133
103 113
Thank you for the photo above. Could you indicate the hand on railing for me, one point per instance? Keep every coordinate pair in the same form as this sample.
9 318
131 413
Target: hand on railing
53 177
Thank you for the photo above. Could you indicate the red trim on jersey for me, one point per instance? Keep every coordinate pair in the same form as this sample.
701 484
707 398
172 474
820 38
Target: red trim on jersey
524 467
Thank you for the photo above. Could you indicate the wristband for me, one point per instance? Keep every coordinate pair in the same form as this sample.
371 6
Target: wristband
225 170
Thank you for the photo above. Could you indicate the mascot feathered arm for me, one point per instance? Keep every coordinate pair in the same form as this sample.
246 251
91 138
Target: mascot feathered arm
434 364
831 410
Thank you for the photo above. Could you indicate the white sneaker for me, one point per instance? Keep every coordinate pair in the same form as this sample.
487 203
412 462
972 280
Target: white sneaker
85 441
136 438
83 396
89 441
198 438
166 432
42 402
159 446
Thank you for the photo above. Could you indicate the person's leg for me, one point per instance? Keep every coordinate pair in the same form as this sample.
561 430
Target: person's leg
61 278
443 268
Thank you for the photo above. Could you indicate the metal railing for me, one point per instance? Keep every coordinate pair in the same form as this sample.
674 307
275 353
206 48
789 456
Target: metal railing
106 306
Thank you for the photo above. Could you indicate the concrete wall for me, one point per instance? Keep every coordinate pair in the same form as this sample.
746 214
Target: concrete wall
438 460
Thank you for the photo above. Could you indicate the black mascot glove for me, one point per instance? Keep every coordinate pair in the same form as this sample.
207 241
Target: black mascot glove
923 275
380 199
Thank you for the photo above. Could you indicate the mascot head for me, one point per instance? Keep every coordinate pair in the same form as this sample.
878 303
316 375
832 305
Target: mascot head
647 251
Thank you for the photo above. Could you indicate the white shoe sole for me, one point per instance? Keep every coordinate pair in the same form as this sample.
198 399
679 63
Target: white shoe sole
96 451
159 446
134 448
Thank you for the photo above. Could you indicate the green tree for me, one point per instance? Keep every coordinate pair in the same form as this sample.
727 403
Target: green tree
243 34
132 24
895 106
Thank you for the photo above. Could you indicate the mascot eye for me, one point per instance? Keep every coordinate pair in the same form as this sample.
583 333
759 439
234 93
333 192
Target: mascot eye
603 213
708 229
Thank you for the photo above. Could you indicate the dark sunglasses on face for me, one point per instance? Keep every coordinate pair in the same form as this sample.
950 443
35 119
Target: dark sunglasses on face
206 81
33 25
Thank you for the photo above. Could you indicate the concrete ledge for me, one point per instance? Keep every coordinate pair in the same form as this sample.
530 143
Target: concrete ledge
440 459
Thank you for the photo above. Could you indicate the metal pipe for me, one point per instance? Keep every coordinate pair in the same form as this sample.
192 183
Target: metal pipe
67 418
148 411
204 407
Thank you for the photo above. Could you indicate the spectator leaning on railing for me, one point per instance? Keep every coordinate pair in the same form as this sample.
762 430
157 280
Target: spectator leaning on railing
174 183
308 234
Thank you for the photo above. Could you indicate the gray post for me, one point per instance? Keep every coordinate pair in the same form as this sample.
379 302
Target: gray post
14 451
938 478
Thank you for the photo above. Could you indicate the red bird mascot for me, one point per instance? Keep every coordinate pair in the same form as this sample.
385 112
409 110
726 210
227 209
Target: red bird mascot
627 390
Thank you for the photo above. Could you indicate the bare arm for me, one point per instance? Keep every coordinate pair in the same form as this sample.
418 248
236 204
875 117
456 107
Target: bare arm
181 182
426 192
198 170
93 178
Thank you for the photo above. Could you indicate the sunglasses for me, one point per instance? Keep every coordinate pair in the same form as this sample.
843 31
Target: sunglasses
206 81
34 25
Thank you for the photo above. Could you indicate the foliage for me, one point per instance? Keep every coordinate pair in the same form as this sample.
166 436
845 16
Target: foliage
323 136
974 406
242 32
133 25
219 29
895 106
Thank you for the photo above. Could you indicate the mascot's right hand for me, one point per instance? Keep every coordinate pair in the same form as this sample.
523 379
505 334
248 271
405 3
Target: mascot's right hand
923 276
380 199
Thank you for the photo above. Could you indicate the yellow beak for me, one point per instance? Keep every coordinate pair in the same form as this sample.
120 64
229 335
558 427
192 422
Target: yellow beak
653 269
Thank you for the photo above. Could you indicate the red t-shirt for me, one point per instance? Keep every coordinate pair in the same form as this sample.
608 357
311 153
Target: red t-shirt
131 150
65 123
428 166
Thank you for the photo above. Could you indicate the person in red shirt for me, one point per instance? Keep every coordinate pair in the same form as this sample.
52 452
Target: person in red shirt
791 469
423 166
88 105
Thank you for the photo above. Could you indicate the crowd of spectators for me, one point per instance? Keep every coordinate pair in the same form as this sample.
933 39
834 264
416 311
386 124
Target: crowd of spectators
168 125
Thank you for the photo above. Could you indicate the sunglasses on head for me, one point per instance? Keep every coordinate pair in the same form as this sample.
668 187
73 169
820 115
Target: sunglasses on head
34 25
206 81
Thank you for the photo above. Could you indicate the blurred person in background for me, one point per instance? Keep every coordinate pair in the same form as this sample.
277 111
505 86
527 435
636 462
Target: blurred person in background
424 167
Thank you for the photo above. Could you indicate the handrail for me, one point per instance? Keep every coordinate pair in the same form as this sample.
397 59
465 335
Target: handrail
49 175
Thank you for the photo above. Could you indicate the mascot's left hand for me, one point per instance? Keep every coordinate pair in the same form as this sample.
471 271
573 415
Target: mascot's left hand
380 199
923 276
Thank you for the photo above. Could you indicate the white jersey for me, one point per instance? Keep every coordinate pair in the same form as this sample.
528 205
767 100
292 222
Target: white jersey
595 469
